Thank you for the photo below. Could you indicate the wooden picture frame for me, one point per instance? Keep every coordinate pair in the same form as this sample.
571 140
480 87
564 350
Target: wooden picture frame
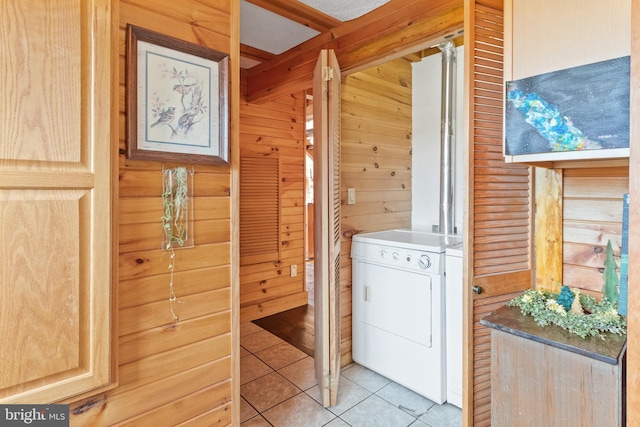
177 100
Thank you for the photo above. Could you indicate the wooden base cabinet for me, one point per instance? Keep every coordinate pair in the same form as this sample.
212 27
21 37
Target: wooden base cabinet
548 377
56 183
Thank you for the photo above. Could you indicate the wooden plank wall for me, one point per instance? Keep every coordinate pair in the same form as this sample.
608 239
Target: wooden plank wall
376 161
170 373
277 128
590 195
592 215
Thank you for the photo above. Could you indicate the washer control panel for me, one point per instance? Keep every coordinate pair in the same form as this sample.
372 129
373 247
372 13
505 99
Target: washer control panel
410 259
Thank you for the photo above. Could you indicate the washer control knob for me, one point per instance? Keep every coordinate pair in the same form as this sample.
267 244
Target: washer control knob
395 256
383 253
408 257
424 262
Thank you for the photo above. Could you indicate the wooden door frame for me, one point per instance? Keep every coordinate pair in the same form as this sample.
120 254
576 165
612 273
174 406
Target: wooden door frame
633 338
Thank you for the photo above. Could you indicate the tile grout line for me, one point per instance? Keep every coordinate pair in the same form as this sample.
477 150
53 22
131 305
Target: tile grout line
406 410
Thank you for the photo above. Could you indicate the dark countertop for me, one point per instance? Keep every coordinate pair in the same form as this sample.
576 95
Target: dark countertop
510 320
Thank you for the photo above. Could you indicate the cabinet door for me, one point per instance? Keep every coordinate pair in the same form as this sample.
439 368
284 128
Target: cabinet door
55 201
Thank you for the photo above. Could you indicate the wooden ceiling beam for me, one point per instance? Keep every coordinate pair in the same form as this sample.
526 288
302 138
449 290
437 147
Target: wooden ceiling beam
423 53
255 54
398 28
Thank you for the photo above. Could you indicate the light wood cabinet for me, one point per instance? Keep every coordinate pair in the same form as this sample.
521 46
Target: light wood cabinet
549 377
55 199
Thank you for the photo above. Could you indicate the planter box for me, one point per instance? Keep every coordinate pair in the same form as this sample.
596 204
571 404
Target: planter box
550 377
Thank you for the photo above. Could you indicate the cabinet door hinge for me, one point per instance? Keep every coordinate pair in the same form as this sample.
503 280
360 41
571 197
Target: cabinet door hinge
329 381
327 73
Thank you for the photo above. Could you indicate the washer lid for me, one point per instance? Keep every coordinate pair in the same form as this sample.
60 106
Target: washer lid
409 239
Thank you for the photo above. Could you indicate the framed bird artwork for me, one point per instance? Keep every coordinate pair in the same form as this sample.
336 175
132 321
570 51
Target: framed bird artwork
177 100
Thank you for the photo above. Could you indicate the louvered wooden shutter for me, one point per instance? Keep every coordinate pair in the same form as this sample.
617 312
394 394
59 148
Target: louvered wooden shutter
499 204
259 209
326 120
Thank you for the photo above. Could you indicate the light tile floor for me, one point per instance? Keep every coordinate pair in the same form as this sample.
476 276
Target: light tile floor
279 389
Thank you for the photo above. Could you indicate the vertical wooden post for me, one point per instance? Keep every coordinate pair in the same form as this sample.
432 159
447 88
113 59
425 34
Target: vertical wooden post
633 340
548 230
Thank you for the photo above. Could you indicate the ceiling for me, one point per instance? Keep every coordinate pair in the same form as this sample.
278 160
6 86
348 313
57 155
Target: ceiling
271 27
280 40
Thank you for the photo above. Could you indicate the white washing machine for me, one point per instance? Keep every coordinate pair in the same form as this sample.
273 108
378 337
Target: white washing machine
399 307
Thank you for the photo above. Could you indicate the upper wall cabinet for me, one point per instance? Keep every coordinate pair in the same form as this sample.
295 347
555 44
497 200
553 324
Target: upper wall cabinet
567 82
55 200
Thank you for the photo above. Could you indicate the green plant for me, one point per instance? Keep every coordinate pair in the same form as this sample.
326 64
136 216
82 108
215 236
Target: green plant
175 219
611 280
600 317
566 297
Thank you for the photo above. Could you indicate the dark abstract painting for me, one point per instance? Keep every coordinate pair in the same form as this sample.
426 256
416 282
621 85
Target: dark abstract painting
579 108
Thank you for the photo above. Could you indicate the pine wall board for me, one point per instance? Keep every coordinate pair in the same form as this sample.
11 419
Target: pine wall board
170 373
590 193
376 161
592 215
276 129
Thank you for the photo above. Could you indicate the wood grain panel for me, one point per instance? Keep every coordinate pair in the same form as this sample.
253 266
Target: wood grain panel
592 216
142 290
34 351
149 262
46 121
481 375
139 237
156 314
146 343
588 280
278 305
138 183
593 210
548 239
110 409
274 129
596 186
200 402
498 253
215 37
376 161
55 194
189 362
586 255
528 375
172 362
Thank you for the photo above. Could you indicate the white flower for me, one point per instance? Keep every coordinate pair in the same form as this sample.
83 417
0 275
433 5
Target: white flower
554 306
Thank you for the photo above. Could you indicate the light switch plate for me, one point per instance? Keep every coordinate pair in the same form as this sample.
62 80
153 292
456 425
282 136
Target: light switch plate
351 196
